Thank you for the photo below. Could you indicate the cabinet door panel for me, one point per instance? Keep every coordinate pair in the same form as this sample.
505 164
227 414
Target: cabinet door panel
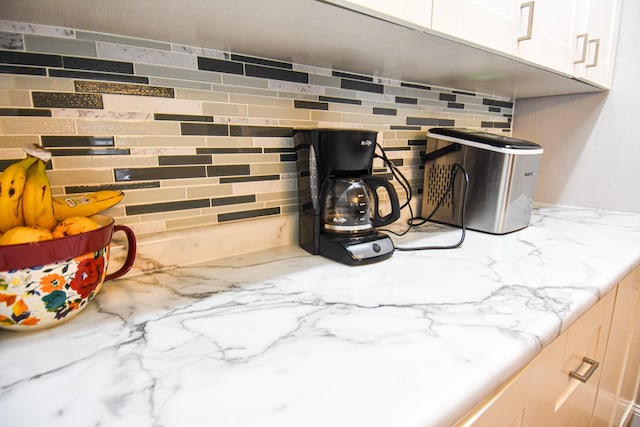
631 377
621 360
490 23
586 338
552 35
594 56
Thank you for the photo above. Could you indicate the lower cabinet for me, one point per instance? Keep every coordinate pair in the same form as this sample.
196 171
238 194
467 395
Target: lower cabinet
588 376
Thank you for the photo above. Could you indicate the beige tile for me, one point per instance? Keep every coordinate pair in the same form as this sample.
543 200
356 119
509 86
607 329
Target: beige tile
258 187
17 142
160 141
92 162
162 151
154 195
151 104
240 98
36 126
224 109
405 134
329 116
273 168
191 221
230 159
373 119
80 177
201 191
186 182
15 98
279 196
278 112
349 108
226 141
201 95
37 83
110 127
170 215
298 123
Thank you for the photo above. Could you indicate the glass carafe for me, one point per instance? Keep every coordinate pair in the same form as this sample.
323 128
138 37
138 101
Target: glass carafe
350 204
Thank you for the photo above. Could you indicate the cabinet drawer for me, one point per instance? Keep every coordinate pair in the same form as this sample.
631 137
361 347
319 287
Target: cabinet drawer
545 393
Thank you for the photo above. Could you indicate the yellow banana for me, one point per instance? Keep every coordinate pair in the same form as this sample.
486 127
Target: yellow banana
85 204
12 182
74 225
37 204
22 234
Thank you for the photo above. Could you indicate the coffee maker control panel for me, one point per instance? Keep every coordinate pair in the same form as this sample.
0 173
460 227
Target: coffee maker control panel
371 249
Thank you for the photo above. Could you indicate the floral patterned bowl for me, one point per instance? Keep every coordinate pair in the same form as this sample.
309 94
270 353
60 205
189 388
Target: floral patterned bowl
45 283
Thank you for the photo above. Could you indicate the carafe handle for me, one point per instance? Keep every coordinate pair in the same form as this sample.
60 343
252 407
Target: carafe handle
374 182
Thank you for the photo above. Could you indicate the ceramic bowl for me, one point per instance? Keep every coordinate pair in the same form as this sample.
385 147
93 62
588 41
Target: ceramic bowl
43 284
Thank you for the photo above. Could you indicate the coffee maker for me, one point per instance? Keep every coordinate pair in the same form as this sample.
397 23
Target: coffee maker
338 196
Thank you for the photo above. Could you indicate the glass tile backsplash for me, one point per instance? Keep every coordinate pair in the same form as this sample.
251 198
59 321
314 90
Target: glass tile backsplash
196 136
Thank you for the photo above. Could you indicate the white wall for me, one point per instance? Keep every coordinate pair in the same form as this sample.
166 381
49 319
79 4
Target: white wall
592 141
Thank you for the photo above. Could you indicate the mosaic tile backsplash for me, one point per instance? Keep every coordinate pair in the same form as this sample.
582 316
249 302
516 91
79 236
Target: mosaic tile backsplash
198 137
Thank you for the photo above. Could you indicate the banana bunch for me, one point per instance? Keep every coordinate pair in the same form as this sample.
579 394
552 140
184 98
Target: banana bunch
29 212
12 182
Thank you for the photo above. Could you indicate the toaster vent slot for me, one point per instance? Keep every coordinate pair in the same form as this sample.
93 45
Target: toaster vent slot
439 177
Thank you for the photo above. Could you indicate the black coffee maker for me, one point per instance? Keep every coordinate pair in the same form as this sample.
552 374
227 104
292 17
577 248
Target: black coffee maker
338 196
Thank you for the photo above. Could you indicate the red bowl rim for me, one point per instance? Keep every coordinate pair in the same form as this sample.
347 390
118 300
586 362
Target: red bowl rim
35 254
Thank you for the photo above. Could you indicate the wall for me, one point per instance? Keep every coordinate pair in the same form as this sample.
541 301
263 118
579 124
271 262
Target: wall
592 155
197 137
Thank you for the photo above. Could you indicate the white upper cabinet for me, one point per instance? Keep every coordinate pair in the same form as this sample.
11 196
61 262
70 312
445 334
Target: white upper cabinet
547 33
596 37
413 12
575 37
488 23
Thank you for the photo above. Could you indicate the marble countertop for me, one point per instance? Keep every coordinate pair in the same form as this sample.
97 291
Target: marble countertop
284 338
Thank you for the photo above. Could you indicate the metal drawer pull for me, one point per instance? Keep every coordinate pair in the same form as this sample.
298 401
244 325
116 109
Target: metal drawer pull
531 6
596 52
584 378
583 57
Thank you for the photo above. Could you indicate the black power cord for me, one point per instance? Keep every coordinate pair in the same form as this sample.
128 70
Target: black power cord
418 221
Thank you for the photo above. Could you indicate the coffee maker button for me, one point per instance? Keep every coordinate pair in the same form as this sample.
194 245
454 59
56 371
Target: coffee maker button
376 247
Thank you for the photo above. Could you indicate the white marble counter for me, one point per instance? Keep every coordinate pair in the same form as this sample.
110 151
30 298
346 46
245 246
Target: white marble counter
283 338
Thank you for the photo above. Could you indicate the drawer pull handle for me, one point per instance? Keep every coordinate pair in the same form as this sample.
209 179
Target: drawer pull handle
584 378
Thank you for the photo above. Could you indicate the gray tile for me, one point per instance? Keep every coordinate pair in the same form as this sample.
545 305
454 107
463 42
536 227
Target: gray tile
145 55
68 46
177 73
187 84
12 41
236 80
86 35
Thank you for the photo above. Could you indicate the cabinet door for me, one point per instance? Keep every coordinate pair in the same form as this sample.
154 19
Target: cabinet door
621 365
631 377
548 38
597 24
584 352
488 23
416 12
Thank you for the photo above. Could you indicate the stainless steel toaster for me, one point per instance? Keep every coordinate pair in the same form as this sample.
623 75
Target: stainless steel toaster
502 172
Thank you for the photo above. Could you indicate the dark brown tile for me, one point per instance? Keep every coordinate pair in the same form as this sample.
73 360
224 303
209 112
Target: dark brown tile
123 89
67 100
